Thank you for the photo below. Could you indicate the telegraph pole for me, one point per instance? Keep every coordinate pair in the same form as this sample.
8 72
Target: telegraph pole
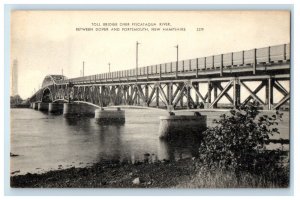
108 67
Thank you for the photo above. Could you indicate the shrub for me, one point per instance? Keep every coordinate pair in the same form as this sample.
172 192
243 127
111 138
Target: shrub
238 143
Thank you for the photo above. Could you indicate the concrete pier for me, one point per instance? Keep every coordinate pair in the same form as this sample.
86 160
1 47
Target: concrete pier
172 126
78 109
35 105
56 107
110 116
42 106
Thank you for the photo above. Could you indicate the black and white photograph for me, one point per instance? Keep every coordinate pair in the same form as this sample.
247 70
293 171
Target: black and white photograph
150 99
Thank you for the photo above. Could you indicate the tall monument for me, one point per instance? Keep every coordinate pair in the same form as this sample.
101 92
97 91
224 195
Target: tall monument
14 76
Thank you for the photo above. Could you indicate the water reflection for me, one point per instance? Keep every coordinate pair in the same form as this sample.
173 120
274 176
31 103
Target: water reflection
53 140
179 149
77 121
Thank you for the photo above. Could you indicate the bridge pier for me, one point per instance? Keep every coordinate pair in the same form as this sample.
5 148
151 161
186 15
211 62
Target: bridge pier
56 107
35 105
78 109
110 116
172 127
42 106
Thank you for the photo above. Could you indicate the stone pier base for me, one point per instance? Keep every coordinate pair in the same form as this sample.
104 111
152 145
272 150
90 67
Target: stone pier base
56 107
110 116
35 106
78 109
42 106
172 126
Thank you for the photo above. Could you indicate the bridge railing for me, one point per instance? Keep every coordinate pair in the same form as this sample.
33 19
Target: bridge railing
238 59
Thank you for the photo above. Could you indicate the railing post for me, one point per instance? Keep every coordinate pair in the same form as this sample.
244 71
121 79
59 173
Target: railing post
197 62
243 56
284 51
176 70
269 54
254 62
231 59
221 65
147 68
159 71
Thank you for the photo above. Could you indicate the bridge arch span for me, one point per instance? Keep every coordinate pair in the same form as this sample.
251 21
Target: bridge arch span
47 95
136 107
52 80
60 101
87 103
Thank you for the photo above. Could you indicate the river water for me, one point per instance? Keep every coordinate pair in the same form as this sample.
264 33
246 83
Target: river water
46 142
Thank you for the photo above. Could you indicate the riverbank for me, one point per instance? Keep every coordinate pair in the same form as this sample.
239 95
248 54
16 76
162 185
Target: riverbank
161 174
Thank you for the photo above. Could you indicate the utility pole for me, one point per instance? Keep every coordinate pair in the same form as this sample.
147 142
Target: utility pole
109 67
137 58
176 73
83 68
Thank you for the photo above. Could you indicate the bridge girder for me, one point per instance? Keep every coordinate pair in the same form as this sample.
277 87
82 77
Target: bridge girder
179 94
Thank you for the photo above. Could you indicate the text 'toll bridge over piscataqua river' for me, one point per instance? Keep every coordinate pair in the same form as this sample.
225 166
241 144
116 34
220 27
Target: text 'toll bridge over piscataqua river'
218 81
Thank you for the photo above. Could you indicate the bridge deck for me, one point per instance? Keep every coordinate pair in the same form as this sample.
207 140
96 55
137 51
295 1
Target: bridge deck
204 83
256 61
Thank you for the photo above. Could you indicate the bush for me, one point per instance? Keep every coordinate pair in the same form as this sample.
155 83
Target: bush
238 143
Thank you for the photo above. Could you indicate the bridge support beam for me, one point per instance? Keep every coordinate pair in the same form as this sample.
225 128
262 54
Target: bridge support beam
236 93
56 107
269 93
196 86
173 127
42 106
209 89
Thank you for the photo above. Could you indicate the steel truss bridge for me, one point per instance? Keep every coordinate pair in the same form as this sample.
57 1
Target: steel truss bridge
218 81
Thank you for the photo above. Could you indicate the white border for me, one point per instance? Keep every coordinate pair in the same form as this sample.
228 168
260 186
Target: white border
216 2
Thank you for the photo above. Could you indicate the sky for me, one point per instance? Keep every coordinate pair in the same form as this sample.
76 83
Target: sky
47 42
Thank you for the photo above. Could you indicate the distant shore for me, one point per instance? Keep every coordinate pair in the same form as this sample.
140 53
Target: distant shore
20 106
112 174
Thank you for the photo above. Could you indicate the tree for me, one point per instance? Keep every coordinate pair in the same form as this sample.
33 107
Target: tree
15 100
238 141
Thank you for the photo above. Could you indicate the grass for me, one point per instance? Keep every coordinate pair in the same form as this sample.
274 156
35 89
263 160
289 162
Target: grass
227 179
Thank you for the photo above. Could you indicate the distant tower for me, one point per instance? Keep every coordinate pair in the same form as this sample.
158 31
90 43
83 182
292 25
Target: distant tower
15 78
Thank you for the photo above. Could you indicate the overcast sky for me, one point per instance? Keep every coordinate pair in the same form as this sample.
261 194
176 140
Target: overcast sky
45 42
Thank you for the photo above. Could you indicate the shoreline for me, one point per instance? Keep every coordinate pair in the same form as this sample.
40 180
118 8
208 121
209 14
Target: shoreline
112 174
